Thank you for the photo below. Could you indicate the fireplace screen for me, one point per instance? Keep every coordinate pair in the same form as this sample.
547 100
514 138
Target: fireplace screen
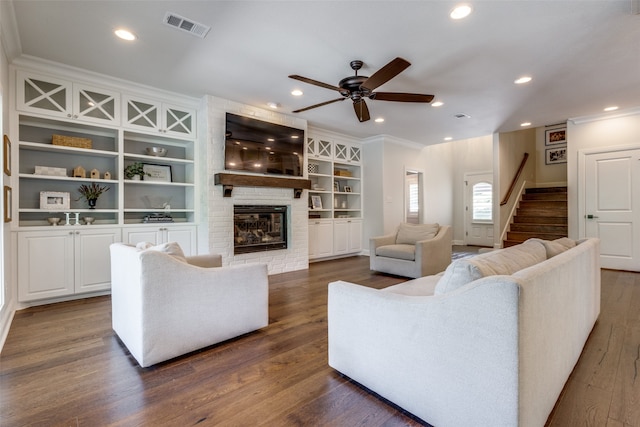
259 228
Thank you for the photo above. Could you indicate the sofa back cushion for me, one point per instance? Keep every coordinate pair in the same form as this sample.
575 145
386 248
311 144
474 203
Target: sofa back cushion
556 247
505 261
170 248
409 234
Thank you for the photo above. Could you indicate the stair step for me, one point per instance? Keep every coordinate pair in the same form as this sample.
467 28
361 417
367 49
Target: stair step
538 219
529 212
543 204
546 190
522 236
539 228
545 196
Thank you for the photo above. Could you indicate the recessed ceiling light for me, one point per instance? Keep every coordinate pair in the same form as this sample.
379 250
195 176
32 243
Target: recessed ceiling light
522 80
612 108
273 105
448 138
379 120
437 104
525 124
461 11
124 34
296 92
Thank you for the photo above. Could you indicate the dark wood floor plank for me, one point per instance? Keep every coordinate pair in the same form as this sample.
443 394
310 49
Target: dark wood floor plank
62 365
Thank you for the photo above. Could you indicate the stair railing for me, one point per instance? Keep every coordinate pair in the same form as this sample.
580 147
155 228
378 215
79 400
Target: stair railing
515 179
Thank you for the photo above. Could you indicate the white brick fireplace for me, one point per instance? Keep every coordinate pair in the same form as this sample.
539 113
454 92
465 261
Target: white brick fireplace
219 209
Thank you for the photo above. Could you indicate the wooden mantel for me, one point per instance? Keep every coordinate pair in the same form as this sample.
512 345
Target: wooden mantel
229 180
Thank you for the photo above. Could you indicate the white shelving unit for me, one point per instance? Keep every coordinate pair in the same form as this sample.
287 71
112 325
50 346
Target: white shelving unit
50 104
335 198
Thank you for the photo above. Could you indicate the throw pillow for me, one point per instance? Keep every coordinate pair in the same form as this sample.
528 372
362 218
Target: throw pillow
409 234
556 247
504 261
170 248
141 246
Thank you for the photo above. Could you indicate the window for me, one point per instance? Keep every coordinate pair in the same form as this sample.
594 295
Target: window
482 202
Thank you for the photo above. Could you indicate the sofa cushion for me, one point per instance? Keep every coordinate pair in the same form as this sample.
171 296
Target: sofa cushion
409 234
407 252
556 247
422 286
170 248
504 261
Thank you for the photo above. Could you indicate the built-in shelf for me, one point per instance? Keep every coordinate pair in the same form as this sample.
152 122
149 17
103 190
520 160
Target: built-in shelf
229 180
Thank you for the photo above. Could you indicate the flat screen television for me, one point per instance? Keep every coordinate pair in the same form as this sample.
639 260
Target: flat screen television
253 145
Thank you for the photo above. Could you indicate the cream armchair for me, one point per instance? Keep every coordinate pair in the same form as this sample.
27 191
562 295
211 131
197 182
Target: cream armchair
414 250
165 305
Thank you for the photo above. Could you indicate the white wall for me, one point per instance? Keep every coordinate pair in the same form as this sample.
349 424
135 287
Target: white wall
619 130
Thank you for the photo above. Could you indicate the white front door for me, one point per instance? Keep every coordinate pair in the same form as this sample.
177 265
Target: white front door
479 209
610 197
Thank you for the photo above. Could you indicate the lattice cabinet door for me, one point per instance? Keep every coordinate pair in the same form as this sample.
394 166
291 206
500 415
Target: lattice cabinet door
44 95
142 114
96 105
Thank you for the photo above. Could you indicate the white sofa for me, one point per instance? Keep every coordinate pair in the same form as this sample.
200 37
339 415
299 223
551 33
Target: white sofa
489 342
413 250
165 305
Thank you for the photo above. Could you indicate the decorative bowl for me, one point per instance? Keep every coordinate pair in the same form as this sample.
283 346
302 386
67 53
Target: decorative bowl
156 151
53 221
88 220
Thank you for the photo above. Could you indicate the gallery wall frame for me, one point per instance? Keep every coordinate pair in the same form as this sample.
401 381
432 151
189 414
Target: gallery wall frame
557 136
555 155
7 203
6 152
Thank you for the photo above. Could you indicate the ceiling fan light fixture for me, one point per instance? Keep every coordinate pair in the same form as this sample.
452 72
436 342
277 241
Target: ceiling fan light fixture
461 11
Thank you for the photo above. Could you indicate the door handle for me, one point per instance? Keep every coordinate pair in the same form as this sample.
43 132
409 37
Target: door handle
591 216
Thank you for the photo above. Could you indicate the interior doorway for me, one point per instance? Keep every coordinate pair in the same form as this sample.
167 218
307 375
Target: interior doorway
413 196
478 209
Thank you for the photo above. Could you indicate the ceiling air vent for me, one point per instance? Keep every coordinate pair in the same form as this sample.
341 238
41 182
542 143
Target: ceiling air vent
187 25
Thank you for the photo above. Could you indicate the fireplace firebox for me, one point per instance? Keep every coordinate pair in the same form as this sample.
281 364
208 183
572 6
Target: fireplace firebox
259 228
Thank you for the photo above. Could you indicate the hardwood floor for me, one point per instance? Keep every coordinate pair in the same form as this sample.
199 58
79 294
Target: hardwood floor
62 365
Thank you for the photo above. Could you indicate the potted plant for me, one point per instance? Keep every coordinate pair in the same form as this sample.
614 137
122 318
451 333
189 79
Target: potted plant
91 192
135 171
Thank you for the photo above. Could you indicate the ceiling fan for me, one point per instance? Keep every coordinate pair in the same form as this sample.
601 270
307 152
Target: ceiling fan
357 88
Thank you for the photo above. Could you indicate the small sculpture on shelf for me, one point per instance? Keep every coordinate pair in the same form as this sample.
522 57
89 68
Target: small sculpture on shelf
107 175
90 192
95 174
79 172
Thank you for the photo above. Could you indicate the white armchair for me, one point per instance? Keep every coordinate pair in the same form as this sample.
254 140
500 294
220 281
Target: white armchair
414 250
163 307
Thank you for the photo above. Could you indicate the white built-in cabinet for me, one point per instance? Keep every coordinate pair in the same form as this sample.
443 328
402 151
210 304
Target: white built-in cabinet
185 236
66 260
335 197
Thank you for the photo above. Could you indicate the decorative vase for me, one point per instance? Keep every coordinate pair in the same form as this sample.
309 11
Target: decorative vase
92 203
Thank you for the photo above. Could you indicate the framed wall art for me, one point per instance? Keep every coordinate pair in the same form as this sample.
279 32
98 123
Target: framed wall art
7 204
555 155
7 155
54 200
316 202
556 136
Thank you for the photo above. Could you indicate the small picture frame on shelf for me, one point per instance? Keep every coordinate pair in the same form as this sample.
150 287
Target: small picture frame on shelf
347 189
316 202
555 136
7 156
7 203
157 173
54 200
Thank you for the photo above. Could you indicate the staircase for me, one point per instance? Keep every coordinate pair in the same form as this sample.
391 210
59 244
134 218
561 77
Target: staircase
542 213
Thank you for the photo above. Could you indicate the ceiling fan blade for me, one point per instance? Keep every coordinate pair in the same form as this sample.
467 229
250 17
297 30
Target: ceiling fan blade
315 82
361 109
385 74
401 97
318 105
